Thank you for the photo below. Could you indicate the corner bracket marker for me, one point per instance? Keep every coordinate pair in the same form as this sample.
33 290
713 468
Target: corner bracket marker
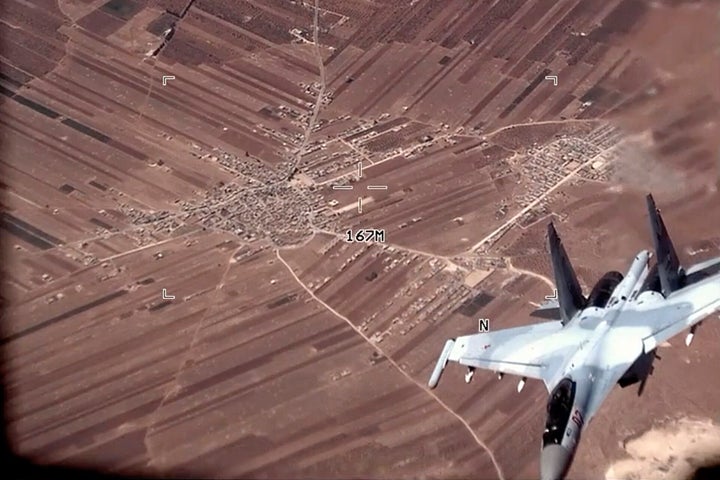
553 296
165 79
554 79
165 296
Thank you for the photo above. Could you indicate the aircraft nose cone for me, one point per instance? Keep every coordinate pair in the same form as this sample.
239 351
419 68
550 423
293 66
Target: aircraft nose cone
554 462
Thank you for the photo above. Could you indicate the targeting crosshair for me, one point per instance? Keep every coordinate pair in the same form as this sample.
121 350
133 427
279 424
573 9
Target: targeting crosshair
350 187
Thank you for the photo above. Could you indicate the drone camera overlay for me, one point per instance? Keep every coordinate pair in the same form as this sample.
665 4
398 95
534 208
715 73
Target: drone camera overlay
360 239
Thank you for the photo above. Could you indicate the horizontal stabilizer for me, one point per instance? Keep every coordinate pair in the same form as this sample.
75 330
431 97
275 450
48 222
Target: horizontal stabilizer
550 310
441 363
707 268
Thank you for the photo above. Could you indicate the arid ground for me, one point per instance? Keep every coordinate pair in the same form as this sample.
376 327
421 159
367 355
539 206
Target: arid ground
179 178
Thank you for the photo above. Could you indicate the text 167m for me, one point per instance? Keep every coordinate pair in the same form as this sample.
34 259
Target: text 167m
365 235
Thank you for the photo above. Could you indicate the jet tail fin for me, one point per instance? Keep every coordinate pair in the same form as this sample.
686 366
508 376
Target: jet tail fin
668 265
570 297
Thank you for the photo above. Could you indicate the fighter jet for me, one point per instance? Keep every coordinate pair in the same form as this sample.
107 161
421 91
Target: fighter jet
609 337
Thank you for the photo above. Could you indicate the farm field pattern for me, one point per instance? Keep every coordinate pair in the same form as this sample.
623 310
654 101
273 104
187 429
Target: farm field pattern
288 352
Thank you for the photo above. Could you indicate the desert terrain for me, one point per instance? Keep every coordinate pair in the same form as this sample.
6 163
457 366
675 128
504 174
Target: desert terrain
179 178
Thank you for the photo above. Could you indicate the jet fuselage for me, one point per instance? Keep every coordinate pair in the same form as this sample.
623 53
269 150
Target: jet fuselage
573 393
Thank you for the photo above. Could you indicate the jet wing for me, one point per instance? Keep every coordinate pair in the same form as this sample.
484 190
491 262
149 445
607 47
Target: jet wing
658 321
534 351
647 324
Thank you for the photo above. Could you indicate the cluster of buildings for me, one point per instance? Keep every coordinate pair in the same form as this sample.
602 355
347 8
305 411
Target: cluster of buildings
278 211
549 164
261 204
449 293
